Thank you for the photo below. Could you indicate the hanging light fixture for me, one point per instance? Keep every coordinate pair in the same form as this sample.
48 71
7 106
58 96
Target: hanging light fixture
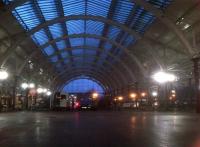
163 77
48 93
3 74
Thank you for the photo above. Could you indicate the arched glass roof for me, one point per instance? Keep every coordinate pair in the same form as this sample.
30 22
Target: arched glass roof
82 85
33 13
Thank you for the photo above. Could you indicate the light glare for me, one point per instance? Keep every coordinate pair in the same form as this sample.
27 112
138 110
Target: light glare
48 93
39 90
31 85
163 77
24 85
154 94
3 75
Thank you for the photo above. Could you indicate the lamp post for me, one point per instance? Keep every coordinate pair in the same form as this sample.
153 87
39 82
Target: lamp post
3 74
163 77
27 87
196 81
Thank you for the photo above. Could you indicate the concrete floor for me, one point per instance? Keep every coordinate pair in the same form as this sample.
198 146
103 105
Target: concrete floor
99 129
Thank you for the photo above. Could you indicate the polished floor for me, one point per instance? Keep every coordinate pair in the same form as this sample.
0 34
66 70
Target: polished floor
99 129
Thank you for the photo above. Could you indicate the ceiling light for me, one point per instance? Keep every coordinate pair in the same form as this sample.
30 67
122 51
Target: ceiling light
163 77
31 85
24 85
3 74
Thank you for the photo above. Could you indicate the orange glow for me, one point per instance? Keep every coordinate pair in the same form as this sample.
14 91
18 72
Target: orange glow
95 95
133 95
173 95
120 98
143 94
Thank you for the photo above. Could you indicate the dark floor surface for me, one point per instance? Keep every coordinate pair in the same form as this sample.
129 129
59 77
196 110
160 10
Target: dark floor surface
99 129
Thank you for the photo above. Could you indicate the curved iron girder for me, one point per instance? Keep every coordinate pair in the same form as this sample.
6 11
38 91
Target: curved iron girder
89 78
110 81
23 65
117 73
167 22
87 55
64 19
115 69
93 48
126 51
147 6
59 84
77 73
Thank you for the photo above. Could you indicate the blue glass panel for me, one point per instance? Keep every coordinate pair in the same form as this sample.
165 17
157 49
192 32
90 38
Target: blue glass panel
77 52
40 37
61 45
160 3
73 7
90 52
76 41
94 27
107 46
56 30
49 50
54 59
89 59
26 16
127 39
92 42
98 7
48 9
142 20
75 26
113 32
83 85
102 58
64 54
7 1
122 10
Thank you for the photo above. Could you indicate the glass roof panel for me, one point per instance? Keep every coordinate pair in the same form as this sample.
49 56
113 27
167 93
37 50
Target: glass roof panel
73 7
54 59
32 13
61 45
90 52
122 10
26 16
56 30
113 32
98 8
40 37
94 27
160 3
91 42
48 9
77 52
76 41
75 26
64 54
49 50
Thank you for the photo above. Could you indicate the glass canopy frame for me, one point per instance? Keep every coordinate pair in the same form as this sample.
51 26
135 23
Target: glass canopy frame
74 50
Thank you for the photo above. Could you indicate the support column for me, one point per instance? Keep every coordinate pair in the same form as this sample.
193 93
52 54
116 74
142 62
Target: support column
15 90
196 81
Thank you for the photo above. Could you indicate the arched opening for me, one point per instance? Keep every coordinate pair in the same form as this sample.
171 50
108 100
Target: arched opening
83 92
83 84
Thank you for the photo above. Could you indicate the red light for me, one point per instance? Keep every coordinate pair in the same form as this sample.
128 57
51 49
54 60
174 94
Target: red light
76 105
